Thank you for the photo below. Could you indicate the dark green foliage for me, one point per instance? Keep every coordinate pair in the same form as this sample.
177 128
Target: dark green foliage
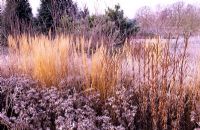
124 26
51 13
16 18
9 15
17 14
63 16
114 27
24 11
83 14
116 15
45 19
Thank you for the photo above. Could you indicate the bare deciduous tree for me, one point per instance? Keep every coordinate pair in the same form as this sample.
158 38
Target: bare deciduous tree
177 19
145 17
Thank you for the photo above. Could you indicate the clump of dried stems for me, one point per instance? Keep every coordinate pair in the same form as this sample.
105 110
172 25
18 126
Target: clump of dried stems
155 69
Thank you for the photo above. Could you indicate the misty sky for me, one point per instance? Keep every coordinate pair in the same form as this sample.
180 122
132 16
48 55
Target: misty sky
129 6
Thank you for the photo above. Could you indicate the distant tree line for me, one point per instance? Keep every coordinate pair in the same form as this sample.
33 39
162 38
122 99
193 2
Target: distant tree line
63 16
176 19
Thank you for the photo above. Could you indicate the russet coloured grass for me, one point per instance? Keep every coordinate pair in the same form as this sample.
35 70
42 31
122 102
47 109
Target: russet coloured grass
153 69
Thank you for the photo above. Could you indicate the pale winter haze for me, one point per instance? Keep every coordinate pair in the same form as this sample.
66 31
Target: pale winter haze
129 6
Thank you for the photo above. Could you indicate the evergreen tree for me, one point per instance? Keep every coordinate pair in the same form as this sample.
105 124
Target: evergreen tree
52 11
17 16
45 18
124 26
24 11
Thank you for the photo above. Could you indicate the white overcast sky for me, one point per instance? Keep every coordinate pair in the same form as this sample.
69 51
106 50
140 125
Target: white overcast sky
129 6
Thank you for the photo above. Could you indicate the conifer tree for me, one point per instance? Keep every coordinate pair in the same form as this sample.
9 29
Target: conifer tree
45 19
16 18
52 11
126 27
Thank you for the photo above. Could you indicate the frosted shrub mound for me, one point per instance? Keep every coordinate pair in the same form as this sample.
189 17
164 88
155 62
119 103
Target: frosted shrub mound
24 102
